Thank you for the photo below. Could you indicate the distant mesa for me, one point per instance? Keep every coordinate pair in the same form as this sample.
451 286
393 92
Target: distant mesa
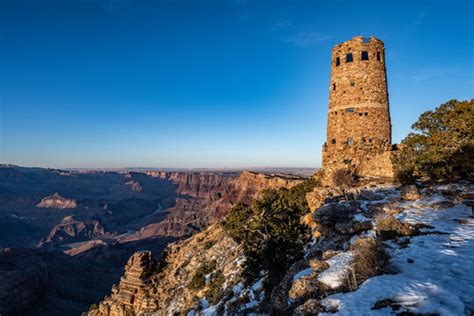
57 201
73 230
134 185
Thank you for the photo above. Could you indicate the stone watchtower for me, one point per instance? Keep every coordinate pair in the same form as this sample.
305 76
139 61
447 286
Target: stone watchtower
359 129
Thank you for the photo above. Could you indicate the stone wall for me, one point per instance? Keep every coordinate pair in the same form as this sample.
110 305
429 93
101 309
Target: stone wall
359 128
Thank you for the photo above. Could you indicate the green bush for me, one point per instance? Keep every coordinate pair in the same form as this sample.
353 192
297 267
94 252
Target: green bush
214 291
271 231
198 280
442 146
209 244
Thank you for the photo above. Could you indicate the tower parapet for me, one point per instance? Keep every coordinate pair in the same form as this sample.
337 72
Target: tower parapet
359 128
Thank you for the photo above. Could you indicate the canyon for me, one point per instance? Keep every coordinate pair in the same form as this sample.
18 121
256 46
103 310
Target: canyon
63 230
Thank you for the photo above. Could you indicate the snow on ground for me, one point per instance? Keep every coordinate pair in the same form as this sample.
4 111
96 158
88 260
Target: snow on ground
440 278
338 268
302 273
360 218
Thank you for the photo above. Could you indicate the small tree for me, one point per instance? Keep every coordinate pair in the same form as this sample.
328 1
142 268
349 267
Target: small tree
271 231
442 146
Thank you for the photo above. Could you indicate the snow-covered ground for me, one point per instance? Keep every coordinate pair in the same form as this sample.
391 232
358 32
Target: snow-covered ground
435 272
338 269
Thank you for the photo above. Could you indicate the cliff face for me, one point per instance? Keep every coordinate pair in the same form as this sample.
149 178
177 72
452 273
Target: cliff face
165 288
72 230
355 233
204 198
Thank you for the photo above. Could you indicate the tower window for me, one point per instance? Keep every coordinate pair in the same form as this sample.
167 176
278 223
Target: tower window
360 114
353 84
338 61
350 141
366 40
349 58
333 141
366 113
334 87
378 56
350 110
364 56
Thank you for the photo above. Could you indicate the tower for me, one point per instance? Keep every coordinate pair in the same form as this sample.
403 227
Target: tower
359 130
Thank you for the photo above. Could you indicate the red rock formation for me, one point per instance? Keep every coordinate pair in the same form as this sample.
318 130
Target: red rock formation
72 230
206 198
56 201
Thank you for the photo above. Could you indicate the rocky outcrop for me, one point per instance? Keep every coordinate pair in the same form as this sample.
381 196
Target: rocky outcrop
72 230
322 195
131 293
410 192
164 288
57 201
134 185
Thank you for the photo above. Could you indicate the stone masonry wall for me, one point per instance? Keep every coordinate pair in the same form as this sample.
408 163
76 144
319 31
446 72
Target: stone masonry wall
359 128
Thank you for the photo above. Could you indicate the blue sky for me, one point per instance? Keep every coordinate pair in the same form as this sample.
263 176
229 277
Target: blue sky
227 83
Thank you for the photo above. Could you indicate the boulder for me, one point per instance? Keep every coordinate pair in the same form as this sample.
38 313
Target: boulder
322 195
410 192
309 308
303 287
320 265
334 217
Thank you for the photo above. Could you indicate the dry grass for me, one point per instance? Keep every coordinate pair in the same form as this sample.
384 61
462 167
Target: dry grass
343 177
370 259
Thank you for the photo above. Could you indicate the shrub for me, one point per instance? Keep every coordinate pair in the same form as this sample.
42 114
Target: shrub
214 291
238 222
271 231
209 244
198 281
343 177
370 259
405 176
442 146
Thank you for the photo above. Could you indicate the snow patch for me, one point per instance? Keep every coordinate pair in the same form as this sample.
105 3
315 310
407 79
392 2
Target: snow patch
301 274
435 270
337 272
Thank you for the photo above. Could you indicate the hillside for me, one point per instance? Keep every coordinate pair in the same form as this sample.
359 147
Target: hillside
377 249
97 220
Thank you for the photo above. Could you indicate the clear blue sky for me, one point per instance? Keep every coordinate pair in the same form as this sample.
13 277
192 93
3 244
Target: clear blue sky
225 83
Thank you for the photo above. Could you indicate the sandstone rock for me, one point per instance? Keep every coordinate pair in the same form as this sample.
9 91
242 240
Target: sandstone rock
72 230
149 289
322 195
56 201
328 254
309 308
321 265
132 292
303 287
410 192
279 295
134 185
333 217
